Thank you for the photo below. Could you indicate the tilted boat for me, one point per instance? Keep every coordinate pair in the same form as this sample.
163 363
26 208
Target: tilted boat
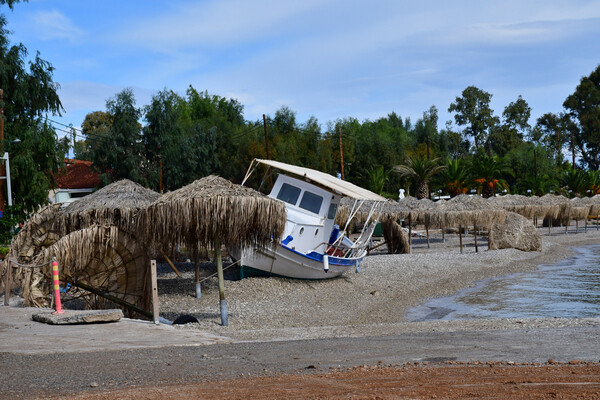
313 246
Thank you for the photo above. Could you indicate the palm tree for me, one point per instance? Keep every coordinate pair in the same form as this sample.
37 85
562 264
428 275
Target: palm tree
377 178
456 177
488 172
420 171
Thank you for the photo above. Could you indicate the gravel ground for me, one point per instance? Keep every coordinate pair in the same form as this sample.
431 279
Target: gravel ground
370 303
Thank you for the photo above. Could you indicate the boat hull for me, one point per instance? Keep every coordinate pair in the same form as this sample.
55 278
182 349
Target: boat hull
286 262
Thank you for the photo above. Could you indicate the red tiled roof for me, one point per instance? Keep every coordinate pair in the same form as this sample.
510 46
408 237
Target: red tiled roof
77 175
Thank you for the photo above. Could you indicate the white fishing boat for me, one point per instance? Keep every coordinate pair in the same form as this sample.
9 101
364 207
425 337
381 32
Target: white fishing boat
313 246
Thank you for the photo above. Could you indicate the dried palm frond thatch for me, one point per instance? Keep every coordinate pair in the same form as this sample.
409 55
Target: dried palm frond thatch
116 204
465 210
212 211
39 232
106 258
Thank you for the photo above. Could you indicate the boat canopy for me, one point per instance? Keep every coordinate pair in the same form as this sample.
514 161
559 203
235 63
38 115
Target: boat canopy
326 180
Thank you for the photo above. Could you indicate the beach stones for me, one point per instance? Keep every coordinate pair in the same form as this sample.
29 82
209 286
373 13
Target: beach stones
517 232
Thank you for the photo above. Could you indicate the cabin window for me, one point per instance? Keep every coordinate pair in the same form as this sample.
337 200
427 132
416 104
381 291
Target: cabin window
289 194
332 211
311 202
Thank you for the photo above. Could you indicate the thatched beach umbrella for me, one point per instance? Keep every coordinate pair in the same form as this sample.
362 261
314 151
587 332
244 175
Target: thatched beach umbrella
414 209
580 209
210 212
103 260
560 208
117 204
465 210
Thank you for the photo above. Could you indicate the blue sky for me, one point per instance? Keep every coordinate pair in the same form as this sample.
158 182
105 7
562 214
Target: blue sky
328 58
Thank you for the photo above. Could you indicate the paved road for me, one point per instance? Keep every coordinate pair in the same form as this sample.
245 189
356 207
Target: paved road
154 355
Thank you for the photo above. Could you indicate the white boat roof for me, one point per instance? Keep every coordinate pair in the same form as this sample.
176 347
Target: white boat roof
329 181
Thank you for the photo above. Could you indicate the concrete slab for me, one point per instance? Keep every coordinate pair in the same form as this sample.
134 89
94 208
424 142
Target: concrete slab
78 317
20 334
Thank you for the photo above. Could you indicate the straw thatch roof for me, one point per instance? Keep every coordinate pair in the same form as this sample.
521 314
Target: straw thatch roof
116 204
213 211
466 210
561 206
104 257
580 208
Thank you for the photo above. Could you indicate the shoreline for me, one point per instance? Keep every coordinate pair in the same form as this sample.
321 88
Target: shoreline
372 303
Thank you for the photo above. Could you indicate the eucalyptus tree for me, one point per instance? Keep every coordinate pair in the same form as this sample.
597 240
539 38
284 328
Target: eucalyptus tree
473 111
583 107
29 96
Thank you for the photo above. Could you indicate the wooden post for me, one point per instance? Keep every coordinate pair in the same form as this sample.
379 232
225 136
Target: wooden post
155 310
8 283
409 234
460 238
222 301
475 230
427 231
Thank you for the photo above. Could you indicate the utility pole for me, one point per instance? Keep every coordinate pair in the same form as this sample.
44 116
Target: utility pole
2 165
266 136
573 147
341 154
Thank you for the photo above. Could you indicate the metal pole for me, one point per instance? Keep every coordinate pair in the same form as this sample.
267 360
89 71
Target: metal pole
222 301
8 184
266 137
341 154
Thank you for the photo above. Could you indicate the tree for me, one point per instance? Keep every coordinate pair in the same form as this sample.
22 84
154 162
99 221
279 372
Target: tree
456 177
489 172
29 95
473 110
119 153
421 171
583 107
554 130
515 126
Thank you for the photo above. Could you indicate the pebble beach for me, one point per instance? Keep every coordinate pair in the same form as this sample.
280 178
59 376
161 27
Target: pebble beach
373 302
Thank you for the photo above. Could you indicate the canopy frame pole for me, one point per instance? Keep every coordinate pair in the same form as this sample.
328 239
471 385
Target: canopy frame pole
222 300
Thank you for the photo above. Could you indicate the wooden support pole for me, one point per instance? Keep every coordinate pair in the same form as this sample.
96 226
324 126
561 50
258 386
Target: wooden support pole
222 301
168 260
427 231
7 285
409 234
460 238
155 310
475 230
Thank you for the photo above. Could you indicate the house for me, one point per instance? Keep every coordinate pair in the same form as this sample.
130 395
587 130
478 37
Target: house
76 180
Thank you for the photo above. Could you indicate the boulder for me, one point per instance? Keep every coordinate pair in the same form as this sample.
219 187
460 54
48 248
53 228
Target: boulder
517 232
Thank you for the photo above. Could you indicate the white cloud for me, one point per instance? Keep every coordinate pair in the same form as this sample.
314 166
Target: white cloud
49 25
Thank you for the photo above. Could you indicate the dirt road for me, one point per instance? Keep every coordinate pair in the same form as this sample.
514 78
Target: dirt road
481 381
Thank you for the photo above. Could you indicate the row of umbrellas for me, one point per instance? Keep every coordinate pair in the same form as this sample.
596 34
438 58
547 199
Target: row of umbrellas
205 214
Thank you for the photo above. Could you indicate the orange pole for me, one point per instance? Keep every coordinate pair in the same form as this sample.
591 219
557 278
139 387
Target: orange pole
56 288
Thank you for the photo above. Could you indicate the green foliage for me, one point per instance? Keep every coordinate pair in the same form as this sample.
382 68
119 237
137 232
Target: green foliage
574 182
456 178
420 171
29 94
489 173
8 222
583 107
378 178
473 110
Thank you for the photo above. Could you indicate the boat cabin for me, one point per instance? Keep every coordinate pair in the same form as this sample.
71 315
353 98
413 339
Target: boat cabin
311 214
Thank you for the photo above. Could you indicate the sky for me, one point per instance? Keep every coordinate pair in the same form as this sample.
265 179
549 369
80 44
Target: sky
330 59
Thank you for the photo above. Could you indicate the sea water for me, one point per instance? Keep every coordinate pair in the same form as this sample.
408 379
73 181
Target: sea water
567 289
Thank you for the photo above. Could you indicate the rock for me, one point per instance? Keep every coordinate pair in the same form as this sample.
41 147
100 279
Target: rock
78 317
517 232
94 384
